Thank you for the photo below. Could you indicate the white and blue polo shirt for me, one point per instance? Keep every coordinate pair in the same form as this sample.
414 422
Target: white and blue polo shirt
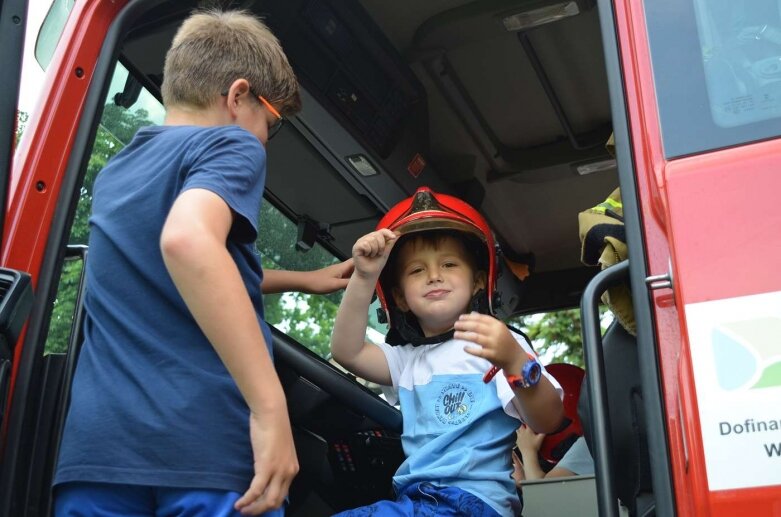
458 430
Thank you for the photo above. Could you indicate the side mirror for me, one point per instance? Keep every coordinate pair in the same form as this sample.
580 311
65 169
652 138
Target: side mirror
51 29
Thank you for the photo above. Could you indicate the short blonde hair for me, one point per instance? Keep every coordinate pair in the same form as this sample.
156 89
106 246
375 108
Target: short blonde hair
213 48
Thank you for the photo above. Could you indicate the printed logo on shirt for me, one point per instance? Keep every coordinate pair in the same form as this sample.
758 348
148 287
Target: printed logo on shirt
454 404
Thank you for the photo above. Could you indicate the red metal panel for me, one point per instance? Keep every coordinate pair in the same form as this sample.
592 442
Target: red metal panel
725 221
713 218
649 159
41 159
725 217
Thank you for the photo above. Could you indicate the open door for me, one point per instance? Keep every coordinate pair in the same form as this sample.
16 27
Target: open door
15 290
700 151
13 18
15 286
57 139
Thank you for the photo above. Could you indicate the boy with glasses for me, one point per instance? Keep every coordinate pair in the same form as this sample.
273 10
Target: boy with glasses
176 407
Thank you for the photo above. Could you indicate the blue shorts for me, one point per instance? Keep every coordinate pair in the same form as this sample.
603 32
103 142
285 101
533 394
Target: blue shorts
426 500
114 500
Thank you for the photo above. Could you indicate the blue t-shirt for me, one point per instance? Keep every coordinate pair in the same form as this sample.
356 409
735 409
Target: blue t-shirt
152 403
458 430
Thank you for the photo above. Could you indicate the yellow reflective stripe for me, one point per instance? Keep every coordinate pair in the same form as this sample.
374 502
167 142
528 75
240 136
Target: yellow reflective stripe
608 204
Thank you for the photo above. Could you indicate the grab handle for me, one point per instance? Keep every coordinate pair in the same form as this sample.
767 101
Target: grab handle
597 387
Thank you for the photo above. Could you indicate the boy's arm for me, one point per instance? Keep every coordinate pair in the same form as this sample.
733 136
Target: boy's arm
348 344
193 247
559 472
321 281
542 406
529 444
192 243
348 341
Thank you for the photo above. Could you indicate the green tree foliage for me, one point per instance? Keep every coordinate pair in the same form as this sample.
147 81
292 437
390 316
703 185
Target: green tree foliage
123 123
21 121
309 319
117 127
555 335
63 311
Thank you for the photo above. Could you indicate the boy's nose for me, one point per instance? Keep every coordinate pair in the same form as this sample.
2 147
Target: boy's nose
434 276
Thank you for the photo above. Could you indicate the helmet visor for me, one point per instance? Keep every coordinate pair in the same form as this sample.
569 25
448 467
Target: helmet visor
438 223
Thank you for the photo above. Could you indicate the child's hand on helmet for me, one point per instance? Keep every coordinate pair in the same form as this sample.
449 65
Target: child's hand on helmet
496 342
371 252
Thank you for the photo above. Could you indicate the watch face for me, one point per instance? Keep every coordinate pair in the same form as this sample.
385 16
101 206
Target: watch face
531 373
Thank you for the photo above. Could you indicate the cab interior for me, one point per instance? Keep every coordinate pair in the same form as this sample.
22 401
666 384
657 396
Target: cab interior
438 93
503 103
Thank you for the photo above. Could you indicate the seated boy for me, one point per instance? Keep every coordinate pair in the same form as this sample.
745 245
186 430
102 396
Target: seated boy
436 263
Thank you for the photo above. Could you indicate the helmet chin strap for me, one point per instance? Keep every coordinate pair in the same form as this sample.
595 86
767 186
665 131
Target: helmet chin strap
406 330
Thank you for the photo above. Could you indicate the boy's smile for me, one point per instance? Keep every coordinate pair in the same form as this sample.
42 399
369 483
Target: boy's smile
437 294
436 283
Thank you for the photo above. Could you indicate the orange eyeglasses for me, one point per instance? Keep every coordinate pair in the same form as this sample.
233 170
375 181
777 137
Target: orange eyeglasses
274 128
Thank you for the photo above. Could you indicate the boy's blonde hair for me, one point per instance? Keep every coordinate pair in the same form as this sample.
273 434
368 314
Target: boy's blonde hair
213 48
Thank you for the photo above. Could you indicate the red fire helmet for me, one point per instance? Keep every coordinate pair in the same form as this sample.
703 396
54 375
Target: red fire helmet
427 210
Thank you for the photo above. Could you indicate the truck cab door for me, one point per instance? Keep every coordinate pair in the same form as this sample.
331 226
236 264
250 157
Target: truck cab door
40 186
13 17
700 149
15 289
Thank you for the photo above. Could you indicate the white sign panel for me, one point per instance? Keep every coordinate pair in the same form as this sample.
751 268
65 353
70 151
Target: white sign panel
736 356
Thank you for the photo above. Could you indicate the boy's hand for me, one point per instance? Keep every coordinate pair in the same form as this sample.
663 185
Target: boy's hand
329 279
371 252
529 444
496 343
527 440
518 474
276 463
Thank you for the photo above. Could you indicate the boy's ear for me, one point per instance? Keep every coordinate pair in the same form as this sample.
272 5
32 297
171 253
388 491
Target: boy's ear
238 92
481 278
398 297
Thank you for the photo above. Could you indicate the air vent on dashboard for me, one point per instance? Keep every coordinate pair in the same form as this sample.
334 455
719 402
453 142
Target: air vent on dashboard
16 297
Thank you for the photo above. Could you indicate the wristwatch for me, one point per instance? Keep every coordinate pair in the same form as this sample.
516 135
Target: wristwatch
530 375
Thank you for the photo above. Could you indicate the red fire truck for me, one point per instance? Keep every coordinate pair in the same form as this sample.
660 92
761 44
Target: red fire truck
507 104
